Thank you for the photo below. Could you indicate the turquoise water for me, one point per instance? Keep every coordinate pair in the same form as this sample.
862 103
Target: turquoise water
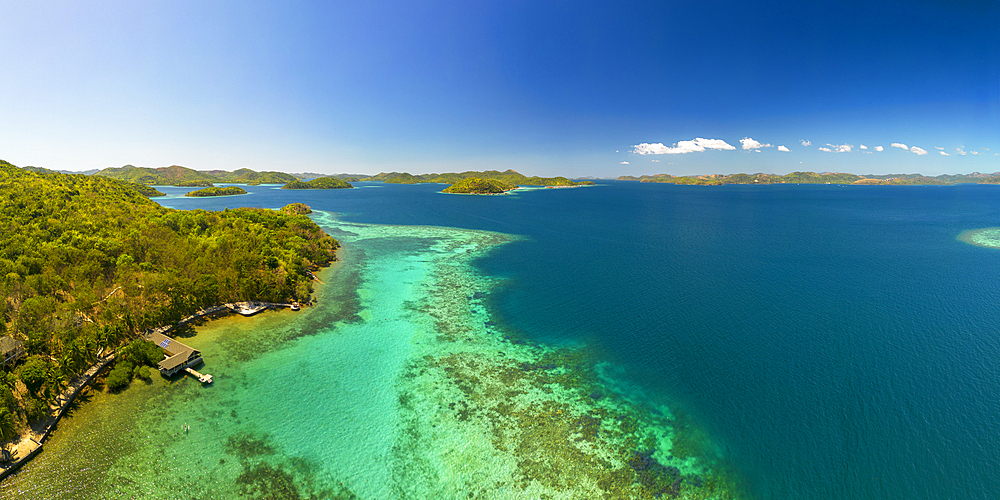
778 341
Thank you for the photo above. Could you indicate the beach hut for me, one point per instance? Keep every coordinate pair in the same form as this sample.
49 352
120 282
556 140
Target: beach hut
11 350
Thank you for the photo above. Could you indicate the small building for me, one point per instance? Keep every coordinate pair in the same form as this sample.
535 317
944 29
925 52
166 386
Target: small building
178 357
11 350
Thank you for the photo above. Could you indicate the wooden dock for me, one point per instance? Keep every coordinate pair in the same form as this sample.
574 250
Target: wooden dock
203 378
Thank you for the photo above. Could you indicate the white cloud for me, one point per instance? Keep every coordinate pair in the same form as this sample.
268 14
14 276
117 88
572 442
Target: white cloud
825 149
959 150
842 148
899 145
974 152
682 147
624 163
879 148
943 153
806 143
782 148
749 143
938 147
656 161
863 146
919 151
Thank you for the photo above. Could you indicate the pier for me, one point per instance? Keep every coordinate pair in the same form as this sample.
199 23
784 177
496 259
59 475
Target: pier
205 379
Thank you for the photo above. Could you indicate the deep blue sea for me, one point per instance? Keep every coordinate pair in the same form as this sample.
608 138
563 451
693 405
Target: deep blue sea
834 341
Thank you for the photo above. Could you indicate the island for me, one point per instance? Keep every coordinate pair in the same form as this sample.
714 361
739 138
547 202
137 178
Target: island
177 175
476 185
817 178
508 176
319 183
89 264
218 191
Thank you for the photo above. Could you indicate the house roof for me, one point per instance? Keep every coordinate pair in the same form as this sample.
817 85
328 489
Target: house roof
8 344
177 352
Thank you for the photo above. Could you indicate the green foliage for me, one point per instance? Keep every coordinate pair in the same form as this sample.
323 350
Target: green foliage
147 191
120 376
142 373
141 352
87 262
296 209
186 177
508 176
194 183
319 183
7 399
247 176
34 373
475 185
218 191
165 176
35 409
8 430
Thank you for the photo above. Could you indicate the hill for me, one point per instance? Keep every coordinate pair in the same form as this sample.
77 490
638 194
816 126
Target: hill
247 176
320 183
476 185
175 175
185 177
87 262
508 176
217 191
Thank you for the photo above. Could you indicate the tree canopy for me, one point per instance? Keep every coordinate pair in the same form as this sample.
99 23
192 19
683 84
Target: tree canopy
217 191
508 176
87 262
319 183
475 185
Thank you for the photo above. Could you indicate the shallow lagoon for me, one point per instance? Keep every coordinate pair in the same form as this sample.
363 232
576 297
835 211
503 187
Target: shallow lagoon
398 384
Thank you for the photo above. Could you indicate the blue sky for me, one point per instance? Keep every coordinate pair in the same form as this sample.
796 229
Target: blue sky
547 88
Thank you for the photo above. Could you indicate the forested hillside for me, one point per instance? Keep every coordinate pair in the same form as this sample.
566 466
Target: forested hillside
177 175
87 262
507 176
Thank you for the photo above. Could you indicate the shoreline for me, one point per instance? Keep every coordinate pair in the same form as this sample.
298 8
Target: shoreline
411 392
30 444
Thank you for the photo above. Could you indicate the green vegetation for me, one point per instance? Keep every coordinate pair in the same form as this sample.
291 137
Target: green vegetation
814 178
218 191
133 360
87 263
508 176
343 177
185 177
320 183
147 191
193 184
296 209
247 176
475 185
164 176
